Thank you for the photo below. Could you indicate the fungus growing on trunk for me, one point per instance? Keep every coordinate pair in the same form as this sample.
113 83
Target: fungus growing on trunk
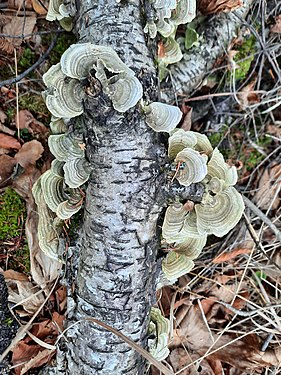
168 16
162 117
220 213
193 166
217 167
57 10
159 327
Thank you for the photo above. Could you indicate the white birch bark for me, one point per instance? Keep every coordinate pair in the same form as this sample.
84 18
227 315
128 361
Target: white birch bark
216 33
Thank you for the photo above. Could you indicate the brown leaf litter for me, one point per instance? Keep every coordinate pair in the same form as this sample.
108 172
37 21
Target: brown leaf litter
268 193
200 341
218 6
28 354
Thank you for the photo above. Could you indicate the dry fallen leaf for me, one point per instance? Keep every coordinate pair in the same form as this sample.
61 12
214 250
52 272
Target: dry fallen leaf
187 113
42 357
225 257
43 269
277 27
3 116
38 6
274 130
18 4
18 26
35 127
269 183
14 275
29 153
61 297
26 354
246 96
242 353
7 164
180 358
8 142
5 129
217 6
25 293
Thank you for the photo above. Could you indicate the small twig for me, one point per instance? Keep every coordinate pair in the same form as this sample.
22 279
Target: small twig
126 339
32 34
17 96
247 313
266 342
42 58
263 217
204 97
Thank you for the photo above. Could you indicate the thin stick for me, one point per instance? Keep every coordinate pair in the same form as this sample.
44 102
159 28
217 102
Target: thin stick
42 58
204 97
263 217
126 339
17 96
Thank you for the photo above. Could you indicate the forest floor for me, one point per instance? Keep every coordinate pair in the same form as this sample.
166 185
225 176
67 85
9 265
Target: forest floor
225 313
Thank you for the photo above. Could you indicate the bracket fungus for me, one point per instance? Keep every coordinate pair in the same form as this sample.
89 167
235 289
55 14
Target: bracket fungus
184 13
65 91
58 125
63 96
193 166
173 222
159 326
171 52
217 167
57 10
176 265
124 90
76 172
64 147
168 15
178 140
49 226
219 211
162 117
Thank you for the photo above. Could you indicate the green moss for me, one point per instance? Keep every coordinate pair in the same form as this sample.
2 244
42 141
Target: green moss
11 212
74 225
10 112
9 322
63 42
244 57
33 103
261 275
27 58
22 257
215 138
253 159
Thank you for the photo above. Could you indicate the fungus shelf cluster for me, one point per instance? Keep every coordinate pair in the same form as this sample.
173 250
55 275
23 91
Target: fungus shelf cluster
167 16
57 192
61 10
185 231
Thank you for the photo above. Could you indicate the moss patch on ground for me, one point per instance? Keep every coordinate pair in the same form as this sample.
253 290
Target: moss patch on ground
12 214
63 42
244 57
